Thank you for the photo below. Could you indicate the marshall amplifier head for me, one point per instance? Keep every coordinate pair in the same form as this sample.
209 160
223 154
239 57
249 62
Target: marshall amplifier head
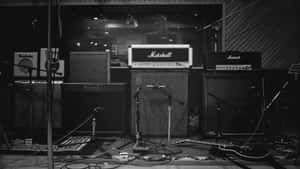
234 60
160 56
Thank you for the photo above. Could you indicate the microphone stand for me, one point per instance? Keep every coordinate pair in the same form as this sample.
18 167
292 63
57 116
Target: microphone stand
219 101
170 109
137 121
31 102
138 147
169 117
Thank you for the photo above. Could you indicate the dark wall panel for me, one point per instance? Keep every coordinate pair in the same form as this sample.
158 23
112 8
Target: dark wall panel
270 27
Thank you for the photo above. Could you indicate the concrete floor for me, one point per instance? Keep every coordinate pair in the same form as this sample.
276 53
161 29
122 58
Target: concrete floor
41 162
67 161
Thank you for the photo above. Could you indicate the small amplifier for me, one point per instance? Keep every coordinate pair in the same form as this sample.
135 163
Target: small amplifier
234 61
23 62
43 62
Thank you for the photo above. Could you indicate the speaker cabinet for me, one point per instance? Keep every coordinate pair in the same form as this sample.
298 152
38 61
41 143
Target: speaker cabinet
89 66
291 117
80 99
238 95
153 106
37 118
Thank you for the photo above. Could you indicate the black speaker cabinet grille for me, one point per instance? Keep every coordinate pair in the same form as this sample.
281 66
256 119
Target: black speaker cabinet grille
238 94
154 102
80 99
89 66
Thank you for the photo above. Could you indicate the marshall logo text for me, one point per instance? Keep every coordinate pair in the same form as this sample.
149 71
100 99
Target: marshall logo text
155 54
231 57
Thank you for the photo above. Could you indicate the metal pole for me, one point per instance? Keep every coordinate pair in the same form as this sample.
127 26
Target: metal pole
169 117
169 124
49 91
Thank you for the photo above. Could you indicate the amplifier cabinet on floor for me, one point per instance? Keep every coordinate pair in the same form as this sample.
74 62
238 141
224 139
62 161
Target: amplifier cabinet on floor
23 117
156 85
80 99
237 94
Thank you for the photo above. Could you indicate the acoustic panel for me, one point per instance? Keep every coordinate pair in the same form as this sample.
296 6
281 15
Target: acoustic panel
89 66
80 99
153 107
238 95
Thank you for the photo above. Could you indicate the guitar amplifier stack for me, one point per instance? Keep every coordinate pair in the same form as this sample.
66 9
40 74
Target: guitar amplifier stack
233 84
160 72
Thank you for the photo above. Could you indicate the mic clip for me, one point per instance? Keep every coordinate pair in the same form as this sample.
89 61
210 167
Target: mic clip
137 92
98 109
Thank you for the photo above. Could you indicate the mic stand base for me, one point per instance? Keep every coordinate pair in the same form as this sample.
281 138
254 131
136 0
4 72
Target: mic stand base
139 147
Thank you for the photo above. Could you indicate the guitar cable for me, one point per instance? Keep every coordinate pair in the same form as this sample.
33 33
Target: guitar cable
231 159
265 156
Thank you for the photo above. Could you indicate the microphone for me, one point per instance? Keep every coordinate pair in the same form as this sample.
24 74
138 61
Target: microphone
98 109
155 86
137 91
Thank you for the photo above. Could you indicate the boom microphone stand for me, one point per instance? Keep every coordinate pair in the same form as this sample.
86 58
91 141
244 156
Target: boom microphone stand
170 110
164 90
219 101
